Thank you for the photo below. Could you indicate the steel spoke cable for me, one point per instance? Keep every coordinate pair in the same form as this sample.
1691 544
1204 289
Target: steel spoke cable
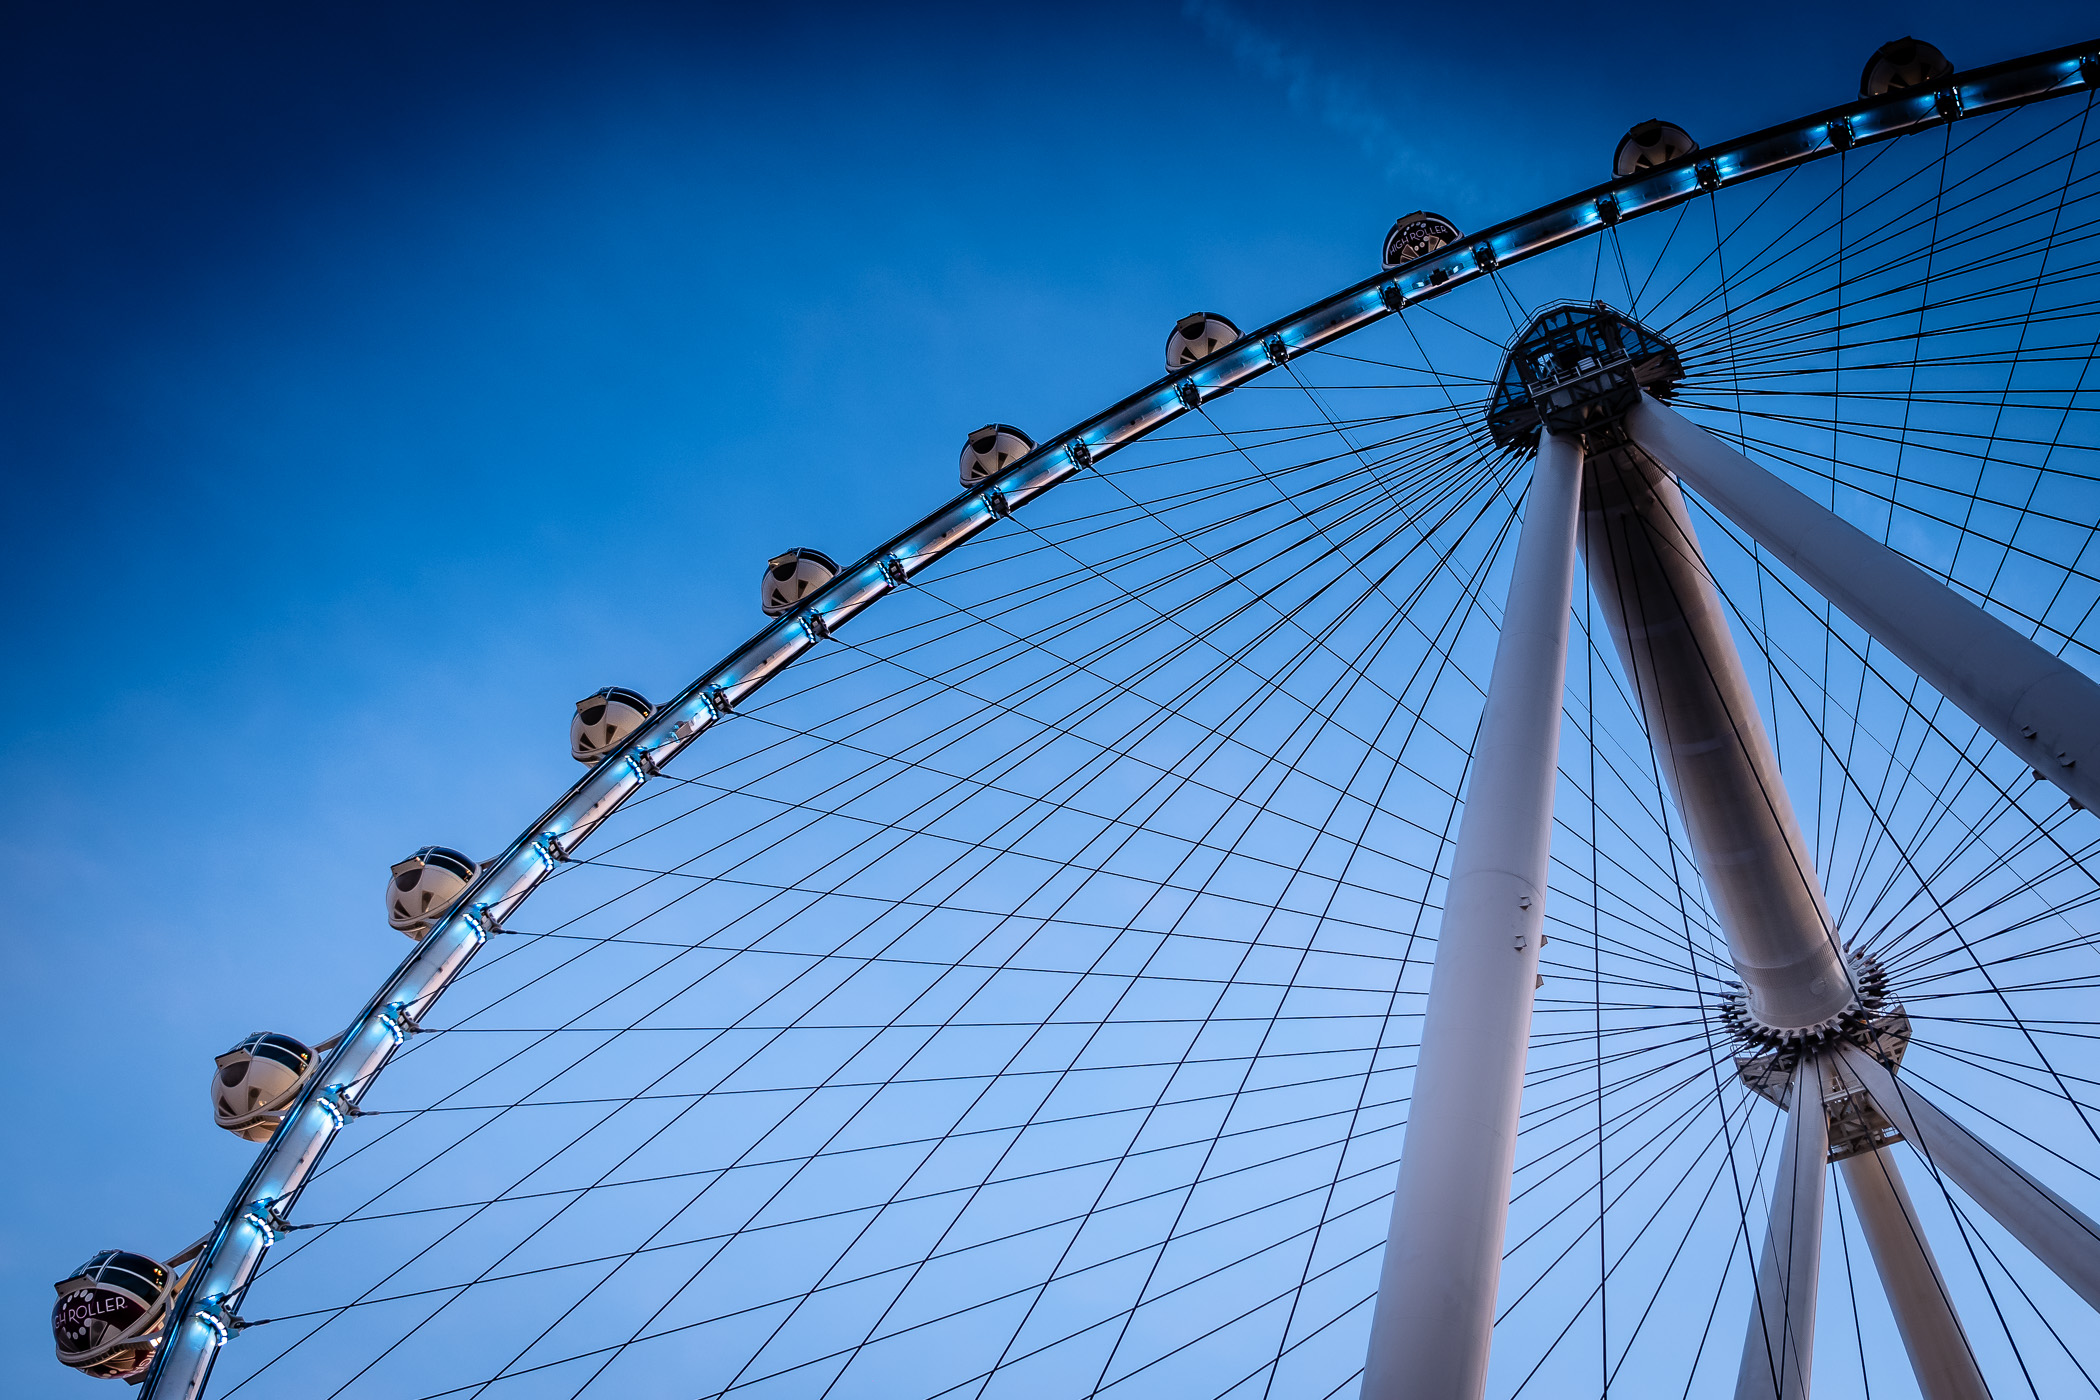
1017 1052
1912 217
1597 1294
1953 927
847 1211
1976 830
1905 696
1946 843
1456 612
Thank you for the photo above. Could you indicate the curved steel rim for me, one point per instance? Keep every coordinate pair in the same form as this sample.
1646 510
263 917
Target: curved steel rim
205 1312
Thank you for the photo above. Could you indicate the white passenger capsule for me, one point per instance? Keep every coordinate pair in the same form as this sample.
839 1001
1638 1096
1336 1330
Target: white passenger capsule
1197 337
1648 145
256 1081
420 889
109 1315
991 449
604 718
793 577
1903 65
1417 235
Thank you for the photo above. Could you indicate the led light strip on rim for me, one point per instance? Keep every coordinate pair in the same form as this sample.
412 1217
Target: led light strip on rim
204 1316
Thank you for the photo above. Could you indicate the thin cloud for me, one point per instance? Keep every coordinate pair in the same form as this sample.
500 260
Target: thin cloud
1337 102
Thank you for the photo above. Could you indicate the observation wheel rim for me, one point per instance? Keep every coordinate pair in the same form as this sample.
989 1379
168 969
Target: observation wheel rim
202 1316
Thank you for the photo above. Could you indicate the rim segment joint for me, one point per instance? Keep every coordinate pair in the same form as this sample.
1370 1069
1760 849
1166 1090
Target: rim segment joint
219 1319
335 1102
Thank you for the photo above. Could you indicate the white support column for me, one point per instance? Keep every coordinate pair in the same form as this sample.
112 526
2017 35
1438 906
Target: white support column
1779 1348
2054 1231
1443 1257
1673 639
1933 1336
2034 703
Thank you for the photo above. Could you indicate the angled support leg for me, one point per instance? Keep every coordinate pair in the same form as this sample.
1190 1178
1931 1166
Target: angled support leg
2054 1231
1932 1333
1443 1258
1672 636
2032 702
1779 1349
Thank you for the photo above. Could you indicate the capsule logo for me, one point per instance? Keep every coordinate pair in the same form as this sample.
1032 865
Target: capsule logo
86 1316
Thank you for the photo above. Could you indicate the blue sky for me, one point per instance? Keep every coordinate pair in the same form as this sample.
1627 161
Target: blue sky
381 378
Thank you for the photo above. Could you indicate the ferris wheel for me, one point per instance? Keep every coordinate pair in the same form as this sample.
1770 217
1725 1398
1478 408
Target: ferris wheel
1518 830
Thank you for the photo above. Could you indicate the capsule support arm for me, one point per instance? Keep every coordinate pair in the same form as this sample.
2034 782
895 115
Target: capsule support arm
191 1252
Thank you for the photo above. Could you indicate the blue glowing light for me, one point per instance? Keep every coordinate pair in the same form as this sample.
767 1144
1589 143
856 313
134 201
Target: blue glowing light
212 1313
395 1019
262 1220
332 1103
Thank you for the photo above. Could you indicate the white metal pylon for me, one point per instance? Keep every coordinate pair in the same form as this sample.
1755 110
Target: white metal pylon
1933 1337
1671 634
2054 1231
1804 1007
2030 700
1779 1347
1436 1294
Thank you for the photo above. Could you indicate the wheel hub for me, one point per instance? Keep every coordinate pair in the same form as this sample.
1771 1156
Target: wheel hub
1870 1004
1576 370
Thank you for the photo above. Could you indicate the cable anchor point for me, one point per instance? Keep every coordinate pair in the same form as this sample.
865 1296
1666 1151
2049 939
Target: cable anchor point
223 1322
335 1102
